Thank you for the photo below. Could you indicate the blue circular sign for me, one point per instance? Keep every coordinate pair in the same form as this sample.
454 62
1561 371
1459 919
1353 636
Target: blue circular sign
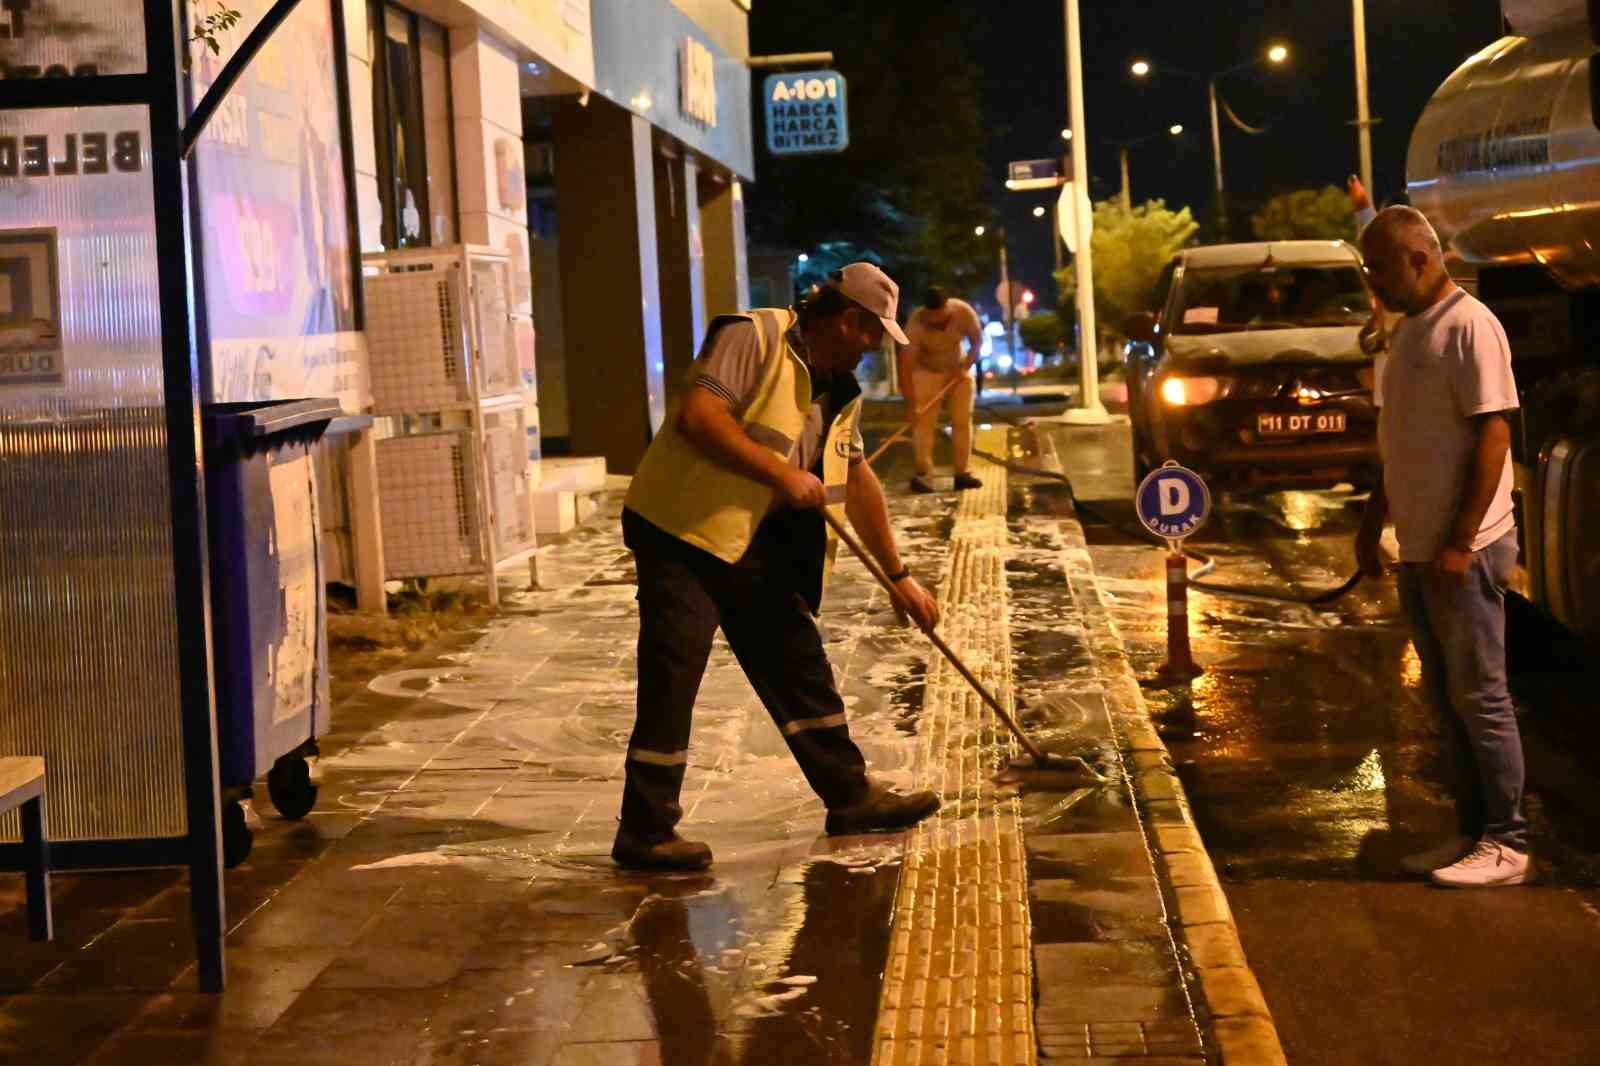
1173 501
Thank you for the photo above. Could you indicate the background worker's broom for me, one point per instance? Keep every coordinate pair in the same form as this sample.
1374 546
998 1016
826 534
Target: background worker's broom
924 409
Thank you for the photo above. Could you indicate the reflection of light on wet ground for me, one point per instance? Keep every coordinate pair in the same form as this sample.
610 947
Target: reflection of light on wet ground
1303 510
1368 775
1410 667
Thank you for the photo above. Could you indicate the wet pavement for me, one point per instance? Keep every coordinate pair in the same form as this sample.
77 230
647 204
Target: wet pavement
1311 764
450 899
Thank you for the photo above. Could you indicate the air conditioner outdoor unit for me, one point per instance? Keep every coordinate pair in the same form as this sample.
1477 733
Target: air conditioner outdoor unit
452 387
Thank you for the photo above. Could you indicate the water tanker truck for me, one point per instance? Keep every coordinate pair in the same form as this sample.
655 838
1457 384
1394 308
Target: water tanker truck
1505 162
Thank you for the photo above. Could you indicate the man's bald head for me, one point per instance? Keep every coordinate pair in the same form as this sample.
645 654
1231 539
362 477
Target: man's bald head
1401 228
1404 259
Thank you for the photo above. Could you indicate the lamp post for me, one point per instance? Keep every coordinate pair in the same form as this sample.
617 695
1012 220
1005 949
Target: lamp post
1276 55
1055 234
1363 115
1090 411
1006 315
1173 130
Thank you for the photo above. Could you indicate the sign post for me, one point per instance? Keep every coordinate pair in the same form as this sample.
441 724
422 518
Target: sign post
1173 502
807 113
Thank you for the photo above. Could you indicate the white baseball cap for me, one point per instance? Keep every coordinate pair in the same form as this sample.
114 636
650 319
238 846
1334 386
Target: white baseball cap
873 290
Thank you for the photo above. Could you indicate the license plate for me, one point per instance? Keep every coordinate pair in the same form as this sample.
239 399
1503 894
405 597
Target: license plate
1300 423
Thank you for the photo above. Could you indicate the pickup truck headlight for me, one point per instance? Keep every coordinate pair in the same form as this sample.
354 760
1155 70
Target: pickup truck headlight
1188 392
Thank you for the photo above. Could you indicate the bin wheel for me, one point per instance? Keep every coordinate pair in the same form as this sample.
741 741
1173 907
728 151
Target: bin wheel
236 836
290 786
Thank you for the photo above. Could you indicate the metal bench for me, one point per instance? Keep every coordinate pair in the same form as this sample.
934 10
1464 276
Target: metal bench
22 789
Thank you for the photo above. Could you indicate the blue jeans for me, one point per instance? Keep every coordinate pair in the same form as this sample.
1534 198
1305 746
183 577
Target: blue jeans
1460 636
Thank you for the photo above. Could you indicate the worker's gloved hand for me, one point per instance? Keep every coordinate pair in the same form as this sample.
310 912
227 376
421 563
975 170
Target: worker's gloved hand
923 608
801 490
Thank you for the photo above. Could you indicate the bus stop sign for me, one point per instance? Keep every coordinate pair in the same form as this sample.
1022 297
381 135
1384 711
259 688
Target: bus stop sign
1173 502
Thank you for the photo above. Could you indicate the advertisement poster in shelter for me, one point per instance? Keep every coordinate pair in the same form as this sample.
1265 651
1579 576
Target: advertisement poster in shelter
279 280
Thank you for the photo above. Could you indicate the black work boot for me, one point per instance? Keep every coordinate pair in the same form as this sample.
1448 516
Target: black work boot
673 853
882 810
967 481
920 484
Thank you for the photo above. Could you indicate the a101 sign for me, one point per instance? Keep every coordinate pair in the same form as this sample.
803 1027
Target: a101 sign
806 113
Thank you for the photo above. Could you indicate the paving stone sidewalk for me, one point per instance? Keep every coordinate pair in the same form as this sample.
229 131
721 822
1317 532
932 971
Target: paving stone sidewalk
450 900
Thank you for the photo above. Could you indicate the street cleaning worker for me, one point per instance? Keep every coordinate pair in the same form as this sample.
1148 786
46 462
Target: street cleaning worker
724 520
1445 393
931 359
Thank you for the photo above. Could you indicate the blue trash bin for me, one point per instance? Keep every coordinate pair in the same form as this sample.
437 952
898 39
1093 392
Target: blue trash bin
268 602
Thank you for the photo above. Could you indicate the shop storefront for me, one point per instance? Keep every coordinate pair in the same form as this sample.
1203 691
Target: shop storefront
639 188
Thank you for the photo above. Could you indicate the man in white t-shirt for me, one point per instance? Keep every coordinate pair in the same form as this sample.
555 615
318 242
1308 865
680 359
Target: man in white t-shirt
1445 392
932 360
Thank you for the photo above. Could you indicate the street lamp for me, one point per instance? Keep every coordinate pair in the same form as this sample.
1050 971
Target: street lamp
1090 411
1363 114
1055 238
1066 135
1173 130
1005 293
1276 54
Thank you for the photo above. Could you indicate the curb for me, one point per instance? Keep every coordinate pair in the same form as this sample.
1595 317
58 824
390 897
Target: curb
1239 1019
1240 1022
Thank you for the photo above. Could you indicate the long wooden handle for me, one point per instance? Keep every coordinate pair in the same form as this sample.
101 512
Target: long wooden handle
924 409
938 642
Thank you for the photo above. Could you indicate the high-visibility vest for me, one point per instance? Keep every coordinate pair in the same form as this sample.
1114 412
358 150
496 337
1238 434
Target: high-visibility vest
680 489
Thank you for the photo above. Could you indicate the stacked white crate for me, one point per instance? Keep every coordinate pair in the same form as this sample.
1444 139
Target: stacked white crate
453 469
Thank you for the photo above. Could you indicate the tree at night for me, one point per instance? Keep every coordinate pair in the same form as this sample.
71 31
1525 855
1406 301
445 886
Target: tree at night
1306 214
910 186
1130 249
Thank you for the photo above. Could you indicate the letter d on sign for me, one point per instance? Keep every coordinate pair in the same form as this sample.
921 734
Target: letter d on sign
1174 496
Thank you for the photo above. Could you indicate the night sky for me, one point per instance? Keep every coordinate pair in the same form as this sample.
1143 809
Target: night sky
1412 45
1306 105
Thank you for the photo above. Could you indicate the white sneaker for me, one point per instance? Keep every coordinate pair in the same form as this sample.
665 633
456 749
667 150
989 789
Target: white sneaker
1436 857
1488 865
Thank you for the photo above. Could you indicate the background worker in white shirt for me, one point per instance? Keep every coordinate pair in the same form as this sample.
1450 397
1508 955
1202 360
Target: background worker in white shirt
927 364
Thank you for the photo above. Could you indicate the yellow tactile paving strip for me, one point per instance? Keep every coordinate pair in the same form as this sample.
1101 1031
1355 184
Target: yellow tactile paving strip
959 984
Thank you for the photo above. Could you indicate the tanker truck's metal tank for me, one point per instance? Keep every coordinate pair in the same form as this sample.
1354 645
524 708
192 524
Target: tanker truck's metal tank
1505 160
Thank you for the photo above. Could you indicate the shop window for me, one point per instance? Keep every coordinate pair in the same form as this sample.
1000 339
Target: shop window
411 118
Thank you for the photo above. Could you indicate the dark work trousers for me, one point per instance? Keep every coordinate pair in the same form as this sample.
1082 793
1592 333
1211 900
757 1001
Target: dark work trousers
684 595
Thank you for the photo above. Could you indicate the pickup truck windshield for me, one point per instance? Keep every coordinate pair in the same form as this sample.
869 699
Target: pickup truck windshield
1232 299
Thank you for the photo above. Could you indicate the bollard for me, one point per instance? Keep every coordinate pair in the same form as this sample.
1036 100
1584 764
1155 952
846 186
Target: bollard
1180 665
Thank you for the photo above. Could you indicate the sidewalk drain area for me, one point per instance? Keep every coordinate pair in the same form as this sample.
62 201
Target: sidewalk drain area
958 986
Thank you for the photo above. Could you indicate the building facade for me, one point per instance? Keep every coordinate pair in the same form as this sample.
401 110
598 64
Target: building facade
602 145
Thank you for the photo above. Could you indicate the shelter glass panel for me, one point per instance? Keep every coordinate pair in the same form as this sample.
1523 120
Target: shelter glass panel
89 672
